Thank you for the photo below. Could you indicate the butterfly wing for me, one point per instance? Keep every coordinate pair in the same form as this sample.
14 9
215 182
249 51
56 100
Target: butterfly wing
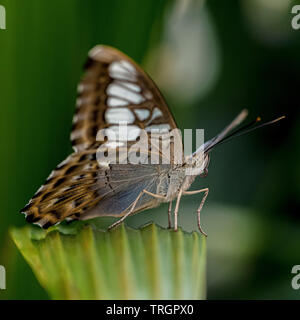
67 191
79 184
114 90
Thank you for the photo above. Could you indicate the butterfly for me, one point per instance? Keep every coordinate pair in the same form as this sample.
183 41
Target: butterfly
115 91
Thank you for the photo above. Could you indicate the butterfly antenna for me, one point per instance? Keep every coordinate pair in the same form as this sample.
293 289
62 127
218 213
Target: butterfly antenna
246 129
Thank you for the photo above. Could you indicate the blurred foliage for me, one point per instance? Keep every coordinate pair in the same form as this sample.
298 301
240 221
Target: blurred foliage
251 58
87 262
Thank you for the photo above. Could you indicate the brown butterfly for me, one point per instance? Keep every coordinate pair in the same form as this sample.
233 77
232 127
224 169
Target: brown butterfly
115 90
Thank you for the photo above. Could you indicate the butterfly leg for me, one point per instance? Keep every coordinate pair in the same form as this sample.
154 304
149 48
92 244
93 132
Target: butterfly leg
158 196
176 209
169 215
206 190
128 213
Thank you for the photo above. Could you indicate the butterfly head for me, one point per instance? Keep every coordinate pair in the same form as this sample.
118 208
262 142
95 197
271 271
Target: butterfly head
197 164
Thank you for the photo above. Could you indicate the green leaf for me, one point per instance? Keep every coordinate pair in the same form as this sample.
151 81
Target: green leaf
85 262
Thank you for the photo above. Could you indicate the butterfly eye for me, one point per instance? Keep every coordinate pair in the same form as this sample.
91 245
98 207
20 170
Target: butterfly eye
204 173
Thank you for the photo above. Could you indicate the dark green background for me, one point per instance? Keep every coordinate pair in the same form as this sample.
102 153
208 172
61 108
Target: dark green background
252 213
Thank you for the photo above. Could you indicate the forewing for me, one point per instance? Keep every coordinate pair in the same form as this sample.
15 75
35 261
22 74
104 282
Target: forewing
115 90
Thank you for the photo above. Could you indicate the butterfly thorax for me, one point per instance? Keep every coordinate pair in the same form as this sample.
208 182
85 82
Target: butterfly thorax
172 181
181 177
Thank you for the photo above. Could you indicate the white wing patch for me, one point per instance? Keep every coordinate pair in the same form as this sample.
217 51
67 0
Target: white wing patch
114 144
132 86
122 70
95 51
122 133
76 134
123 91
79 117
158 128
115 102
119 115
120 92
142 114
85 87
128 66
155 114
